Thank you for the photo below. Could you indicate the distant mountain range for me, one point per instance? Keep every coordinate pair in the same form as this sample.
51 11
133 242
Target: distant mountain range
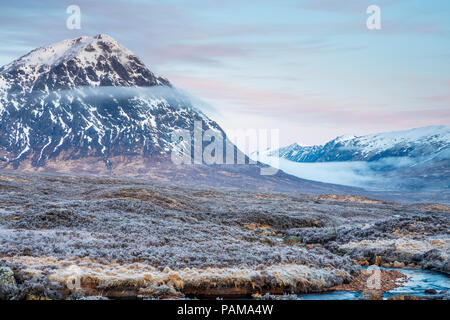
413 159
414 143
89 105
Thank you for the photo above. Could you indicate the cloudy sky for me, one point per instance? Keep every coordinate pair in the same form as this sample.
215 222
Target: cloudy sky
310 68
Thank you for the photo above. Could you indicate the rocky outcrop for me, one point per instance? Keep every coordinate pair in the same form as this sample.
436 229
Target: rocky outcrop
8 285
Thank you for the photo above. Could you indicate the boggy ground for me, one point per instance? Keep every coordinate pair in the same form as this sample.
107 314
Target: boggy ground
67 237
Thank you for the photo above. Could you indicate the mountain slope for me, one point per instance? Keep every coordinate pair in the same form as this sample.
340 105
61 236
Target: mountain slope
89 105
87 97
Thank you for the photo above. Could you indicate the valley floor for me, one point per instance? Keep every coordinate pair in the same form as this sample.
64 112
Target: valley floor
73 237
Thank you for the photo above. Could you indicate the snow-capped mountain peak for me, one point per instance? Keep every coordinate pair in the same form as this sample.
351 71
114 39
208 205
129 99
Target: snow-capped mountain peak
84 61
88 97
411 142
344 137
424 134
408 143
53 54
300 144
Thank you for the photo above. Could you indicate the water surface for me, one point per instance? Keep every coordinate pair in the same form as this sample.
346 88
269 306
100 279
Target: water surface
418 281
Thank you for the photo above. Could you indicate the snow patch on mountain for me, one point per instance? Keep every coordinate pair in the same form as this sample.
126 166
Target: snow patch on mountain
438 136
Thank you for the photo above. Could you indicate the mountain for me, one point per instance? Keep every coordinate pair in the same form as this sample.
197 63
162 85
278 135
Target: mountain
412 143
412 159
87 97
89 105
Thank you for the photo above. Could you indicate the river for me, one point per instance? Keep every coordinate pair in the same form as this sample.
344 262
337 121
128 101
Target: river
418 281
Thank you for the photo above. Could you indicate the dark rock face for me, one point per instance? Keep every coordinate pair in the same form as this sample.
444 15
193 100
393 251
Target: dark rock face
8 285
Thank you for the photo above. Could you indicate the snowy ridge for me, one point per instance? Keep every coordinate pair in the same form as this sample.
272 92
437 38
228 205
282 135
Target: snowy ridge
87 49
84 61
437 136
416 142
